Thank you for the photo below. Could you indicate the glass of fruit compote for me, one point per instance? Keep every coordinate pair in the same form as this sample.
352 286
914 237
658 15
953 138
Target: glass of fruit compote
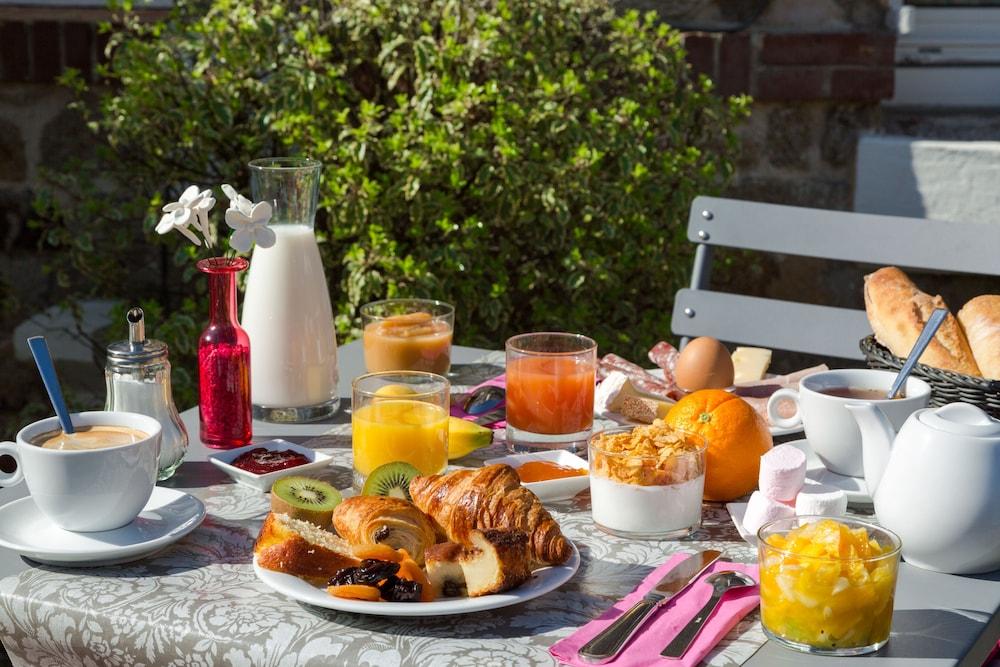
399 417
827 585
408 335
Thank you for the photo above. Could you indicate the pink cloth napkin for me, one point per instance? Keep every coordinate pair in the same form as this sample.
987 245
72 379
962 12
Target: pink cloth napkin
645 647
498 381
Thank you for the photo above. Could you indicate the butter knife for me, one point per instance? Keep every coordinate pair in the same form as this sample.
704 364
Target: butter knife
610 641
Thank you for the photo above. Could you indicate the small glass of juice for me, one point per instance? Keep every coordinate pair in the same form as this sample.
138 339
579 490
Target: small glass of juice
408 335
399 416
550 391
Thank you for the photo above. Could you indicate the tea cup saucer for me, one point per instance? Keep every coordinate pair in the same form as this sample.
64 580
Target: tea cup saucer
168 516
853 487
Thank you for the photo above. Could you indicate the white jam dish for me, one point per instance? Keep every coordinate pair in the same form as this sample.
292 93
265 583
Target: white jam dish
647 482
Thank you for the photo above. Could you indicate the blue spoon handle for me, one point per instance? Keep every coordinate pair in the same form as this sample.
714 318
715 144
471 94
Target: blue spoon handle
40 351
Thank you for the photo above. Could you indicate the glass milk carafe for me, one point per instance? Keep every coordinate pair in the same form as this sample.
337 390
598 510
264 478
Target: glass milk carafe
137 374
286 307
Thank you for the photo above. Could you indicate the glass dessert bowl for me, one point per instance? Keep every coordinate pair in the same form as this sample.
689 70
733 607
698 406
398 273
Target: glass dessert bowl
827 585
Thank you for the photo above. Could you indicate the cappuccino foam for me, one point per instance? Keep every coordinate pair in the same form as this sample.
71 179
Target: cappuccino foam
89 437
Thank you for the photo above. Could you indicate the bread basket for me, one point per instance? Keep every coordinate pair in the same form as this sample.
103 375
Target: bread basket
946 386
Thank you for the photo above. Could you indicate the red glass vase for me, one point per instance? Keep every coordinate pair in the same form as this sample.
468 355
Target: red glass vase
224 361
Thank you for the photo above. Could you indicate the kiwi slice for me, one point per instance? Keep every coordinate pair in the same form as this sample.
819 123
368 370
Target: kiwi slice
391 479
305 498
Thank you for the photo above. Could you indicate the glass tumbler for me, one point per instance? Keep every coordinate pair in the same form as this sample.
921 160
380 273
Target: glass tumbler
647 492
550 391
828 606
408 335
399 416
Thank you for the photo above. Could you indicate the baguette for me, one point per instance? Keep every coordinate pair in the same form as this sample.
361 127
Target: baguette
898 311
302 549
980 318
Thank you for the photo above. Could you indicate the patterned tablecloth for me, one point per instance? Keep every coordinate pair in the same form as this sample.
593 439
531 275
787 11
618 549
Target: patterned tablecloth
198 601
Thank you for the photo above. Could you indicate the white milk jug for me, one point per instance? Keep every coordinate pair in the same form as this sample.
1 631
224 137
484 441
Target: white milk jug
286 308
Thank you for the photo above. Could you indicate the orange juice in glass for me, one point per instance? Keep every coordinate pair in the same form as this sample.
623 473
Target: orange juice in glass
550 391
408 335
399 416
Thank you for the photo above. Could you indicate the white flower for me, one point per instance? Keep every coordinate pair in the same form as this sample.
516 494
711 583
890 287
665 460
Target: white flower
236 200
192 206
251 226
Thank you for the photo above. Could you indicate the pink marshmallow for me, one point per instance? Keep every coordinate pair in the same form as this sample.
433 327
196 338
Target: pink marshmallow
761 510
782 473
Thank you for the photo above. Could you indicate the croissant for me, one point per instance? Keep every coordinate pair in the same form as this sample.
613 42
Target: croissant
383 520
490 497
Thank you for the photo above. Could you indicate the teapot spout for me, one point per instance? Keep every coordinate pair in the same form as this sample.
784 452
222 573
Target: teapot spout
877 435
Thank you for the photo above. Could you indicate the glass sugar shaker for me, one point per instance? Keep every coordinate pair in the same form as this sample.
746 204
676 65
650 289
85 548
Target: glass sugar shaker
137 375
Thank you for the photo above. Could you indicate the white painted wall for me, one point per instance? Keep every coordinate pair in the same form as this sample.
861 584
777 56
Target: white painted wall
922 178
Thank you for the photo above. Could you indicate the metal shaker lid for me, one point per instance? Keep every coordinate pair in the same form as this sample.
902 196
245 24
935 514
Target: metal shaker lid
137 348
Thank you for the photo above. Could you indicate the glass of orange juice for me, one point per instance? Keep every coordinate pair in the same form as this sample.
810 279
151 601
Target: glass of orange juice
550 391
408 335
399 416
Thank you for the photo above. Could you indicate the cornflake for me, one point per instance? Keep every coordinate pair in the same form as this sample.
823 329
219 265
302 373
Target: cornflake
651 455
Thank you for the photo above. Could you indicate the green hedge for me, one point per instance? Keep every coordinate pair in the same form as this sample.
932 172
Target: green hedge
531 161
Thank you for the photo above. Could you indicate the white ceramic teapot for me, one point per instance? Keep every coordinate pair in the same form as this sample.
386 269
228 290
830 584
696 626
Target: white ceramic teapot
936 484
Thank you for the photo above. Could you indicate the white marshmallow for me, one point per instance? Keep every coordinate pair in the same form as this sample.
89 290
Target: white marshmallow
820 499
782 473
761 510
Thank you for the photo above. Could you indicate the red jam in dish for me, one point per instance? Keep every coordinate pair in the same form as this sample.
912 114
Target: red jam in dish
261 461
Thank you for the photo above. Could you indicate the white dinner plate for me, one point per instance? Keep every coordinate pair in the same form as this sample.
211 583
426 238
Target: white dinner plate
167 517
543 580
776 431
551 489
854 487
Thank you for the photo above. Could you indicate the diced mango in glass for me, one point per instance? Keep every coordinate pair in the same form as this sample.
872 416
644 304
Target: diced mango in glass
829 586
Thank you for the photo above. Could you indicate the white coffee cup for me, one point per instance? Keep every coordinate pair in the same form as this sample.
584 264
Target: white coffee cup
87 490
830 428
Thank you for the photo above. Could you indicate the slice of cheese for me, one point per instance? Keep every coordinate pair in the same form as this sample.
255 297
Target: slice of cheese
750 363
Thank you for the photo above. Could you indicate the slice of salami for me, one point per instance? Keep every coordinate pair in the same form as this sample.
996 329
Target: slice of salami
642 380
664 355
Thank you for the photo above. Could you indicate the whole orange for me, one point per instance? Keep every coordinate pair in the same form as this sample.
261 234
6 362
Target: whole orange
737 437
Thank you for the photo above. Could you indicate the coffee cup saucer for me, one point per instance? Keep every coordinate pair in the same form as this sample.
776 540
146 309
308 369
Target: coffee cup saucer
167 517
853 487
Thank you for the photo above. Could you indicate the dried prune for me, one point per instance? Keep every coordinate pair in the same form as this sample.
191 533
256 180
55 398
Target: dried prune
345 577
373 571
395 589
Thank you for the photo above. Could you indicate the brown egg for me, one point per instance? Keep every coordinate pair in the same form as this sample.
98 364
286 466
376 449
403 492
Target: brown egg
704 363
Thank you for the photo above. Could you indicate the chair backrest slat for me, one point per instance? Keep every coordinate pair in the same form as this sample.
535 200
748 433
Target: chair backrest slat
838 235
786 325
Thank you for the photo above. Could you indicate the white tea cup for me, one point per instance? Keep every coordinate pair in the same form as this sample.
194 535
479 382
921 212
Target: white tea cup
87 490
831 430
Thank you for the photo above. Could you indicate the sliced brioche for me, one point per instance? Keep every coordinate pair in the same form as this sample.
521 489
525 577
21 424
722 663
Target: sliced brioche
980 318
496 561
443 569
898 311
302 549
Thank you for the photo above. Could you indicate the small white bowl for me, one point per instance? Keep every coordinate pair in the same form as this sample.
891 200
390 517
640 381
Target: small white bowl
263 483
551 489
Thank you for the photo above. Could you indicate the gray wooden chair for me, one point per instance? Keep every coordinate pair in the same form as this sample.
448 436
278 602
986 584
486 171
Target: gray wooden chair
859 237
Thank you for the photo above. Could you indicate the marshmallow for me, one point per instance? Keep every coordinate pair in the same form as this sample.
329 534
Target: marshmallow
820 499
761 510
782 473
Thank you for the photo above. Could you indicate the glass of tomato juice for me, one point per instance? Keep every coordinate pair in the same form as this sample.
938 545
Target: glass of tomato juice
550 391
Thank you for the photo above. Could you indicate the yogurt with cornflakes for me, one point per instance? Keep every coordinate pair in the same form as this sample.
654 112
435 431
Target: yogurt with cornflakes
647 482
